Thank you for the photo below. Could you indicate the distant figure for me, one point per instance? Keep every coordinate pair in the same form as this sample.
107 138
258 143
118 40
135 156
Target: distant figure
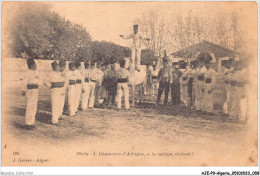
149 69
154 81
165 79
238 98
185 82
227 73
136 46
30 89
175 87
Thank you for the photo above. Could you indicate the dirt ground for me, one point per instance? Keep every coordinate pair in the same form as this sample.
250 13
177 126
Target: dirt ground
142 127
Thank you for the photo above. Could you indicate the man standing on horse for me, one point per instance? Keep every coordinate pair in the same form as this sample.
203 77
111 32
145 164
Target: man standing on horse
136 46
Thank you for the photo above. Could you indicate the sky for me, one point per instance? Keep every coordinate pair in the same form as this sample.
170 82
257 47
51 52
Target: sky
107 20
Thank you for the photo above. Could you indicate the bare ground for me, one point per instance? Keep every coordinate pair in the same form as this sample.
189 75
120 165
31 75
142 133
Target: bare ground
144 122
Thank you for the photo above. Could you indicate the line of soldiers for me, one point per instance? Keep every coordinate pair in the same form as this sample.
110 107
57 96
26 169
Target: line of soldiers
81 85
195 86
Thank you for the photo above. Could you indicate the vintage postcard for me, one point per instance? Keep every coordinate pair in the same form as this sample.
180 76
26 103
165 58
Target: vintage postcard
129 83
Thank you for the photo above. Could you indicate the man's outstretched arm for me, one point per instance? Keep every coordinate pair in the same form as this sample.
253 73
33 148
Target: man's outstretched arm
126 37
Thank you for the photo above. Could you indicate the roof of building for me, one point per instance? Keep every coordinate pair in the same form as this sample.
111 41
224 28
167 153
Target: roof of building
204 46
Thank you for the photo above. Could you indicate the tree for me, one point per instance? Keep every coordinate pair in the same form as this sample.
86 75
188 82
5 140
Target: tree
30 32
43 34
147 57
155 27
106 51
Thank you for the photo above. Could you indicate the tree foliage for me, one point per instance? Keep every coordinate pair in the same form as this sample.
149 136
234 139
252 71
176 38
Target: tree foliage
147 56
106 51
42 34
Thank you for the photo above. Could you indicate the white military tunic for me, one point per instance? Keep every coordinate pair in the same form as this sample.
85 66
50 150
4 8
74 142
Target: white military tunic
56 83
226 105
71 79
238 97
209 85
200 87
78 88
93 84
30 85
86 89
184 82
135 49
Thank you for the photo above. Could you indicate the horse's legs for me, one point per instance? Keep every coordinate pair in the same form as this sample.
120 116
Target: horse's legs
133 94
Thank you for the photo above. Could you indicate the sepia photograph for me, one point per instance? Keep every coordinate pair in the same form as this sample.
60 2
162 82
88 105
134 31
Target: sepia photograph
129 83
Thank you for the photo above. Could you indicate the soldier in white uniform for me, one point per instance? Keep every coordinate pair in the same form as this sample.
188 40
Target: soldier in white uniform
200 85
191 84
238 80
56 83
209 85
184 81
242 89
99 78
227 71
78 85
136 47
86 86
30 89
195 82
122 75
93 83
71 78
62 65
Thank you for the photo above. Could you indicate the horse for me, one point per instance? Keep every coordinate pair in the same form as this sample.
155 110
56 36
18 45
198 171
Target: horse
137 78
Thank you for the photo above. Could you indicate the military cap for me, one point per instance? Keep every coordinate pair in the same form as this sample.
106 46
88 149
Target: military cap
200 57
77 64
195 62
99 62
239 64
122 63
175 63
54 65
135 26
112 61
86 64
93 63
62 63
207 57
207 61
165 59
224 62
30 62
106 62
182 64
71 65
